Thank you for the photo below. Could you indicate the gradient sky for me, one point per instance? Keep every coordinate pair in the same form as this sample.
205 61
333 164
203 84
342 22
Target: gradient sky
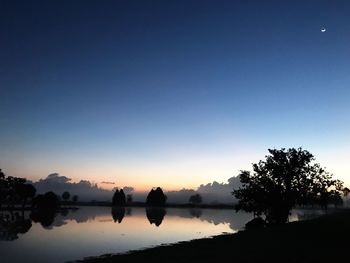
171 93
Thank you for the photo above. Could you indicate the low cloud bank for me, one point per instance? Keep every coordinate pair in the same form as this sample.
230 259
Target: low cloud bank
211 193
86 190
180 197
219 192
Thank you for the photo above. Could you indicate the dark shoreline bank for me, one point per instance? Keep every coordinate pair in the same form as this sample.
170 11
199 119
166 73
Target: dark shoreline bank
318 240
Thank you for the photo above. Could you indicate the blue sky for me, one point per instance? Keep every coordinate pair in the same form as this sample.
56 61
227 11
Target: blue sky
171 92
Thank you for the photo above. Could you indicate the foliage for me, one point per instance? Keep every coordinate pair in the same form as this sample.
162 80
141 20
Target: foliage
14 190
119 198
156 197
65 196
129 198
45 217
285 179
3 187
75 198
195 199
48 201
24 192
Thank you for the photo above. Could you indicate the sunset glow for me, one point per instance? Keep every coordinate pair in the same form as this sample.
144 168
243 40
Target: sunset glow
170 107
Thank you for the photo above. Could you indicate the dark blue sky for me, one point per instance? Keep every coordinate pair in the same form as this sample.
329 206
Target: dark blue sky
136 91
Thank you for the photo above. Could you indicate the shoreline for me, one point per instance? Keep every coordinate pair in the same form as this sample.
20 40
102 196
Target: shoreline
170 205
325 238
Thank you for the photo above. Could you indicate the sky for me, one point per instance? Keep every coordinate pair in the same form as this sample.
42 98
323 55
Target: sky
171 93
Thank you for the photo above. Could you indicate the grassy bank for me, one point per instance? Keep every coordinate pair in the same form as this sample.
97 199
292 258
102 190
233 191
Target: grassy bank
319 240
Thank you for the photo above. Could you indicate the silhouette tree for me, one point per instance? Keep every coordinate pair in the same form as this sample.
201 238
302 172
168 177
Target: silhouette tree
156 197
346 191
129 198
48 201
118 198
122 197
75 198
11 194
25 191
45 208
195 199
2 175
65 196
285 179
3 188
14 190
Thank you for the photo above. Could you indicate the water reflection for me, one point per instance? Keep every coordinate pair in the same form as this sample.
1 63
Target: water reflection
53 237
45 218
196 212
118 214
12 224
155 215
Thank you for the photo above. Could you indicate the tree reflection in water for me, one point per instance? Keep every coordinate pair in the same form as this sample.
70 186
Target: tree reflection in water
118 213
196 212
45 218
12 224
155 215
17 222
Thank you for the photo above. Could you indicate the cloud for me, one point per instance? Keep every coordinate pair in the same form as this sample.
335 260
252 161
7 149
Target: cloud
128 189
56 178
211 193
181 196
86 190
106 182
219 192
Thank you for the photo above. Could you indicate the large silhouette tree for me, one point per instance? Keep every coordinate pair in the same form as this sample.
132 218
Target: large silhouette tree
286 178
156 197
119 198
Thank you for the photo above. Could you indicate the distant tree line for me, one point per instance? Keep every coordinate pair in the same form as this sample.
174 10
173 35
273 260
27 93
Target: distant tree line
15 190
195 199
155 197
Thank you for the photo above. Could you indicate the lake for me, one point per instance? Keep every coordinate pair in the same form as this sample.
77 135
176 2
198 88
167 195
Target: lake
93 231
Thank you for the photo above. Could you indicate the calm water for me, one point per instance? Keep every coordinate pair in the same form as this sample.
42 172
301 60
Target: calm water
93 231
